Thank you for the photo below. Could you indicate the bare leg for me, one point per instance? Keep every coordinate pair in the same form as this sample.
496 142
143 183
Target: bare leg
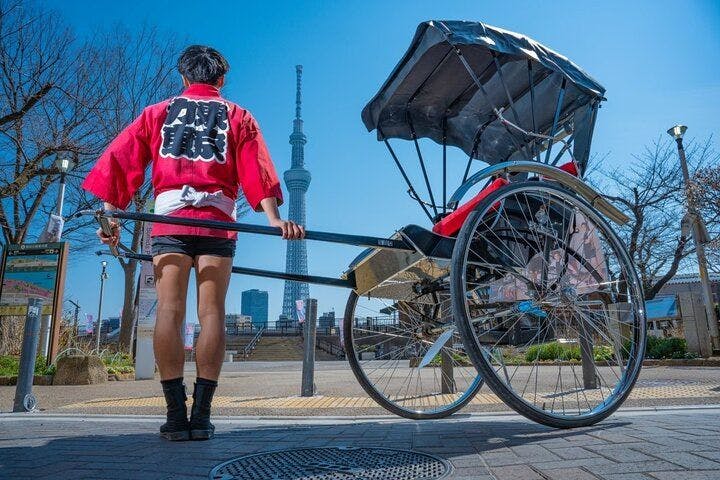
213 277
172 271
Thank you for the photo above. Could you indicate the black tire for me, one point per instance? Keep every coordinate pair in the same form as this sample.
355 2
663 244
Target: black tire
482 357
367 385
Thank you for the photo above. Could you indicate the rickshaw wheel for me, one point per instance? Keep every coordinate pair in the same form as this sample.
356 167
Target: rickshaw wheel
392 376
548 304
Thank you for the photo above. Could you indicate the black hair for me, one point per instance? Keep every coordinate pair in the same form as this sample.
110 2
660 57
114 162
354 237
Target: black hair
201 64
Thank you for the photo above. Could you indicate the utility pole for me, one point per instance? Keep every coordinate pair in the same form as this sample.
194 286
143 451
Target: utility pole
75 319
308 367
699 237
54 228
103 277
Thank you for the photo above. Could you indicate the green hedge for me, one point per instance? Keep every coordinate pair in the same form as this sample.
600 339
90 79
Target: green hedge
660 348
663 348
655 348
10 366
564 351
118 363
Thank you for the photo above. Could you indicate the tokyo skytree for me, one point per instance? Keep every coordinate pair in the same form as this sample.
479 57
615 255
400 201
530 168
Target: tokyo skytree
297 181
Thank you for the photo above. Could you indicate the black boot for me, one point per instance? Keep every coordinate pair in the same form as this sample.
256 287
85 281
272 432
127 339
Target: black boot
177 427
200 426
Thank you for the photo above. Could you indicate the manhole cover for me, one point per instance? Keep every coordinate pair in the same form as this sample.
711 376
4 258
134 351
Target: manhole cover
335 463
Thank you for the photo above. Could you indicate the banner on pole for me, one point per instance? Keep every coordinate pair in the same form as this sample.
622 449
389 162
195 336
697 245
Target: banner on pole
189 335
300 307
89 323
53 229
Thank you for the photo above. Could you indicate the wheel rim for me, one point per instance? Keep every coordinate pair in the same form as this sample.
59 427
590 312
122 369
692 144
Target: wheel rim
552 305
389 341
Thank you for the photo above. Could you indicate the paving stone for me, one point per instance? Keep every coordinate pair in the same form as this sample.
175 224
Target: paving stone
620 453
588 463
498 459
466 461
470 472
712 455
569 474
690 461
636 467
514 472
537 452
507 447
626 476
693 475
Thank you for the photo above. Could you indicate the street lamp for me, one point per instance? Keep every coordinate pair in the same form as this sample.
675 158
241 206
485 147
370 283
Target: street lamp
103 277
64 165
699 237
53 230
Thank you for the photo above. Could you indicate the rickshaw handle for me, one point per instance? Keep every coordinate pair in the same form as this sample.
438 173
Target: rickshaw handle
107 231
357 240
583 189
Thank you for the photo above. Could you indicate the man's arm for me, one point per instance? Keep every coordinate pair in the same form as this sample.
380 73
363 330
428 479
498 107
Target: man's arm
290 230
113 239
120 171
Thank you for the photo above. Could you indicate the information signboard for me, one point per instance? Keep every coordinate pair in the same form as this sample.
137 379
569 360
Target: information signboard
34 270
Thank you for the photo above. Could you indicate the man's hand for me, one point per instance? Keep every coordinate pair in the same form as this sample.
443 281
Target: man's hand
113 239
290 230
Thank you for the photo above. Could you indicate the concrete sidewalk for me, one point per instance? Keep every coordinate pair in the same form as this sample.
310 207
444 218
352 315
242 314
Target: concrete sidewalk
664 443
272 388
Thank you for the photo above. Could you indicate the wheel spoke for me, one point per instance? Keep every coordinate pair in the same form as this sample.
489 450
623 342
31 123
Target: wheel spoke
570 341
396 334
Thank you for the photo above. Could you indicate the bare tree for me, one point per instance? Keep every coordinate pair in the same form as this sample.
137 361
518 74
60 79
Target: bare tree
50 92
651 192
142 66
705 195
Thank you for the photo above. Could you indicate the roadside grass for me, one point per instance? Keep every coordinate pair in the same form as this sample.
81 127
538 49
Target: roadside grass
10 366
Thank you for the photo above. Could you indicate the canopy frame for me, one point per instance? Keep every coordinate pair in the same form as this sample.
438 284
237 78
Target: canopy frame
528 144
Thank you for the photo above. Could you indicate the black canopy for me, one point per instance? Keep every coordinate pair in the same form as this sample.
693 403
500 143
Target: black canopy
456 73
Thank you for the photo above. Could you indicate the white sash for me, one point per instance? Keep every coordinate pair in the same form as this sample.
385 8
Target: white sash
173 200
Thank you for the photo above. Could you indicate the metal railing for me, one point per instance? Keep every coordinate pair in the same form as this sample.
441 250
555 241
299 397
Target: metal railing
243 330
289 331
330 348
251 346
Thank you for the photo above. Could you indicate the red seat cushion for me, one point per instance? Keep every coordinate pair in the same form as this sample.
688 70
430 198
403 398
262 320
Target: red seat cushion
570 168
451 224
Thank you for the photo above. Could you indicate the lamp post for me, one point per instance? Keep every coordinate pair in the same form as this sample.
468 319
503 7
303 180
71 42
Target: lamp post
53 230
698 227
103 277
64 165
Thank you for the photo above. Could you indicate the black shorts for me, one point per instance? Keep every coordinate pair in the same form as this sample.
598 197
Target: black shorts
192 246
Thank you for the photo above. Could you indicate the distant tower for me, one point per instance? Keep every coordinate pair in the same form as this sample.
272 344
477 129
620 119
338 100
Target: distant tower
297 180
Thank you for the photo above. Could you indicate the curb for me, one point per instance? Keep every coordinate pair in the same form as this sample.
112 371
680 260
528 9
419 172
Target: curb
690 362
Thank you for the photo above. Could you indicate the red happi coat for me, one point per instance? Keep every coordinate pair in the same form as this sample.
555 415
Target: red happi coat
197 139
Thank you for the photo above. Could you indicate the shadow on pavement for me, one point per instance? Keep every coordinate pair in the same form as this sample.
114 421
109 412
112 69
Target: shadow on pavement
129 448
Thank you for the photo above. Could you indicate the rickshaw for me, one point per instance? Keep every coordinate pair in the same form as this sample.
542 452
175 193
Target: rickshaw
519 282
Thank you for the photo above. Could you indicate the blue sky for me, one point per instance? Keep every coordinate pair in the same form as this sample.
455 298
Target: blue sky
658 61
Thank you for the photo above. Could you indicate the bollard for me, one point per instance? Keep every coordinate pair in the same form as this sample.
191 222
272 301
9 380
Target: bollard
24 399
308 370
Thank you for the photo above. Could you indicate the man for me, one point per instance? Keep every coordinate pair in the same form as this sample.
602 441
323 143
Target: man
202 149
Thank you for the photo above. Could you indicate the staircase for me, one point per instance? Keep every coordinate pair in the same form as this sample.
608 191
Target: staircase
275 349
237 342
